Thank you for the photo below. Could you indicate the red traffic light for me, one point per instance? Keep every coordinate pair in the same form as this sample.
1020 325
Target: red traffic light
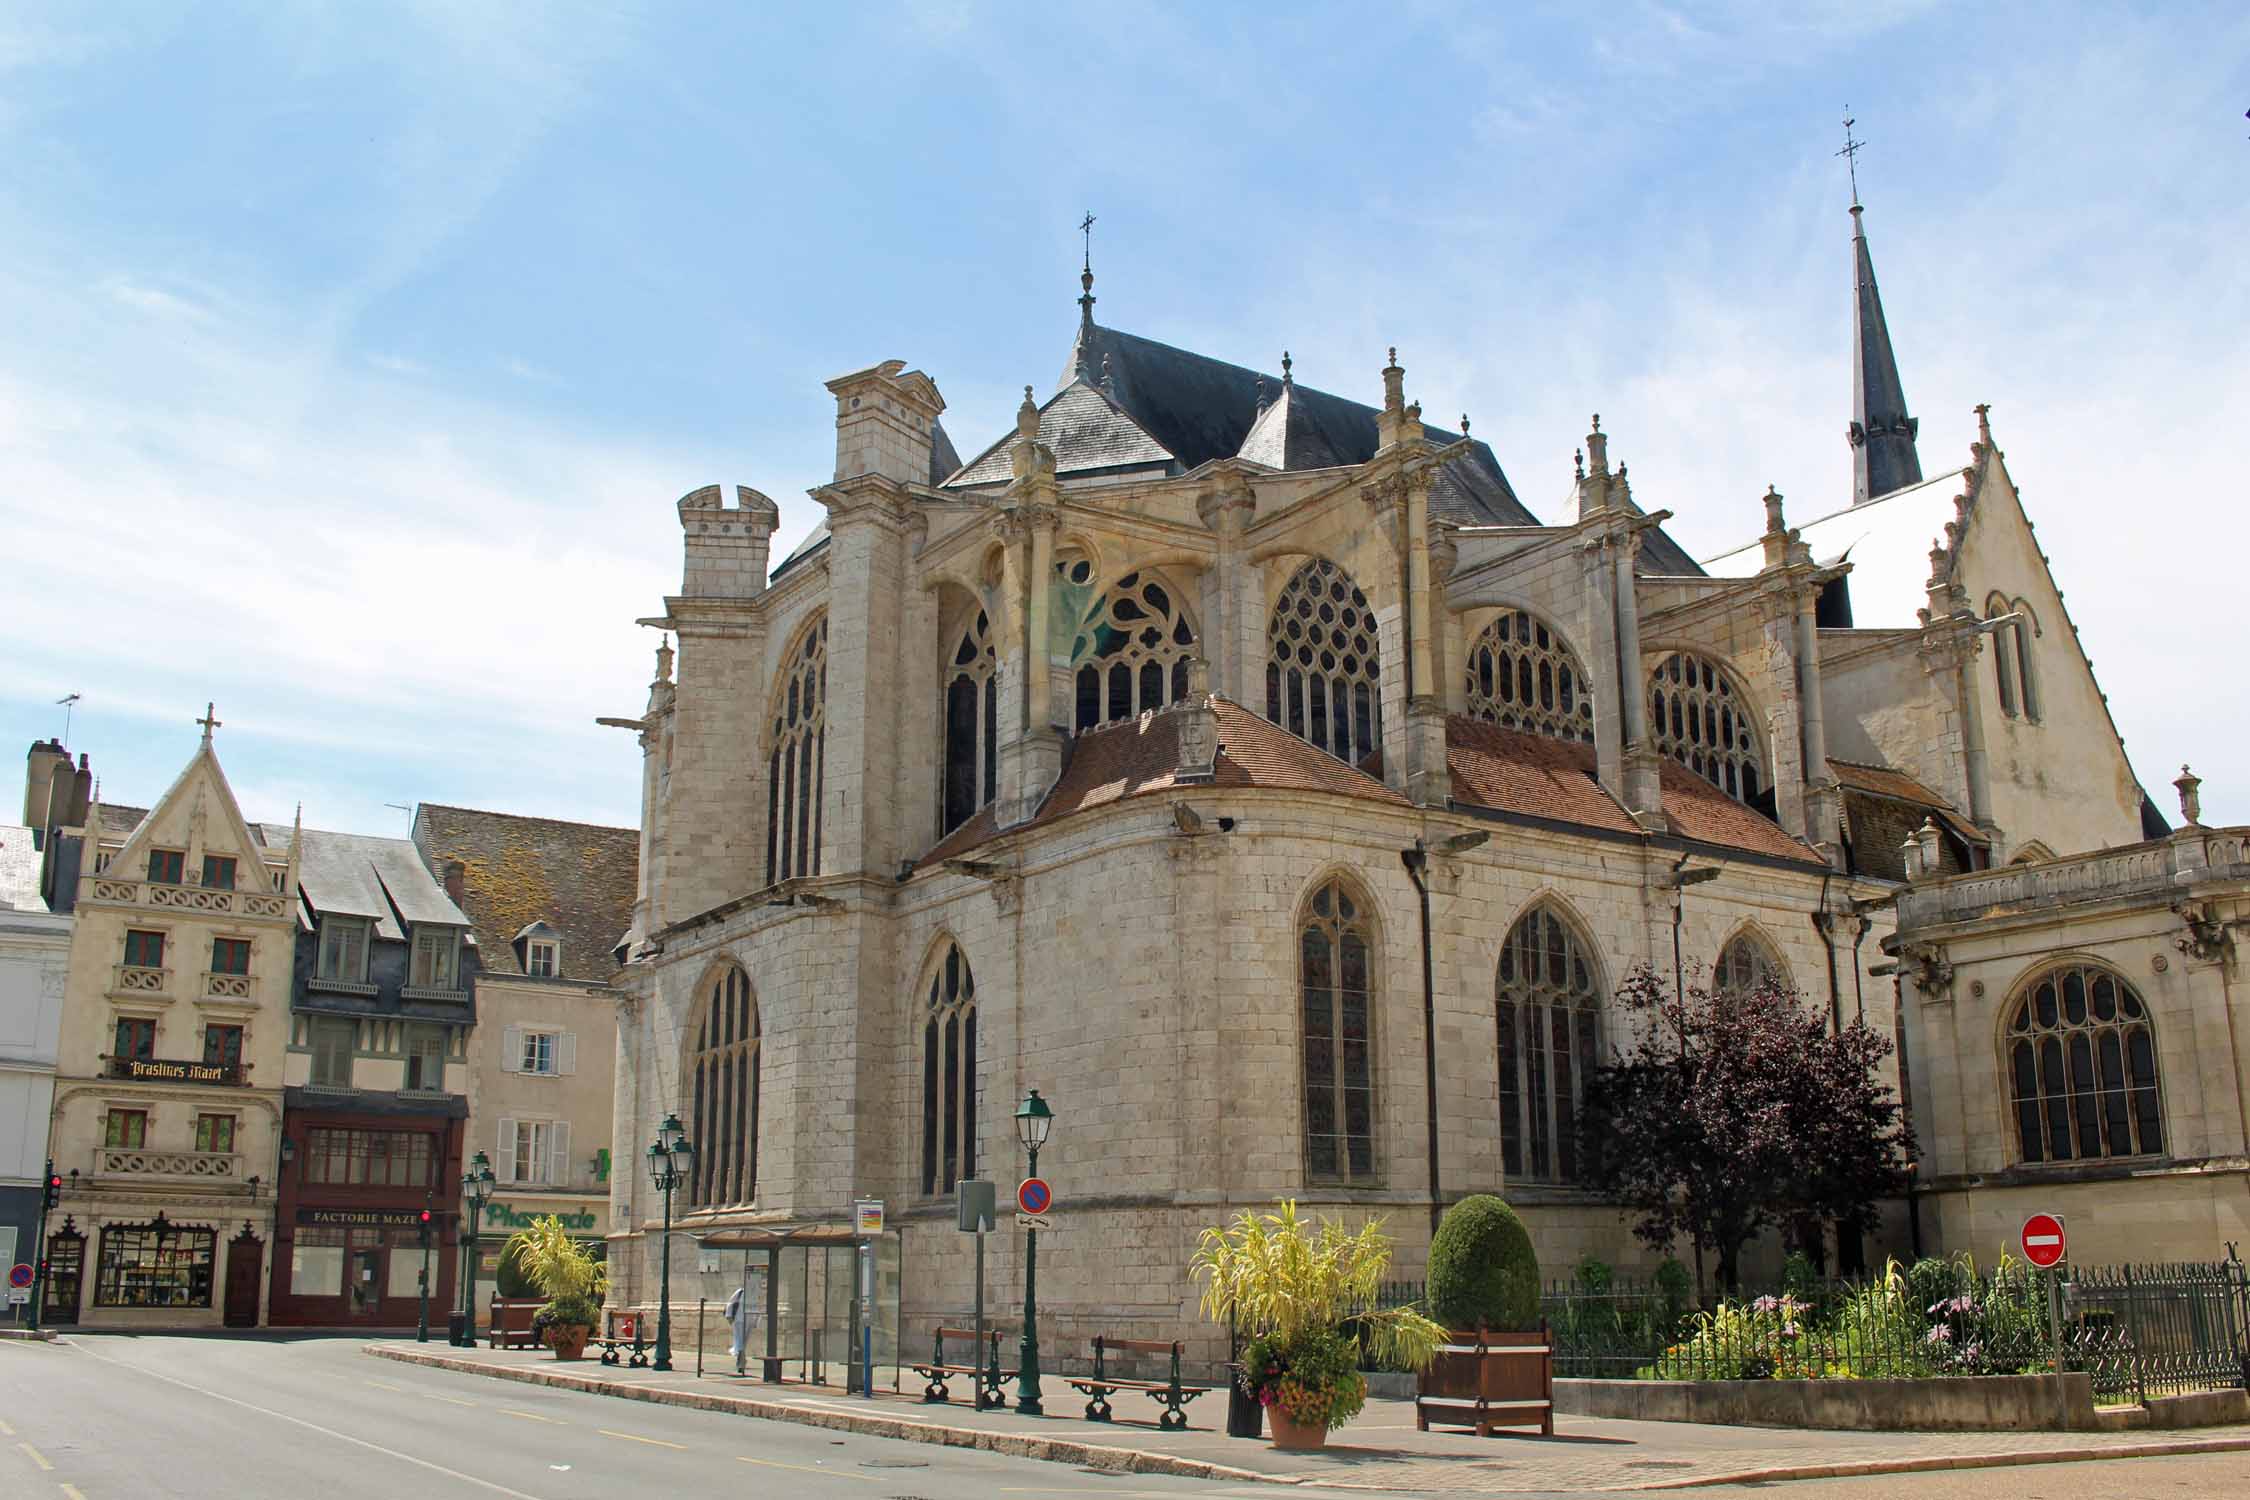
425 1216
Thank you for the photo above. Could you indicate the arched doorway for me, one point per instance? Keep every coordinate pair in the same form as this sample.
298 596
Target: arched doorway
246 1259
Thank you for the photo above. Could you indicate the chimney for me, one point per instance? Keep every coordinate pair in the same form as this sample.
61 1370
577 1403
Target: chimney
886 420
40 764
456 881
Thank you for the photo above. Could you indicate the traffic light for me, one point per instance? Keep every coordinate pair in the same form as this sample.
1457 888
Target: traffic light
54 1188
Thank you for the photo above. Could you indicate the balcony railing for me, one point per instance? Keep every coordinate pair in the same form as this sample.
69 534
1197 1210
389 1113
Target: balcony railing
226 986
176 1070
167 896
446 994
2138 871
198 1166
336 986
136 979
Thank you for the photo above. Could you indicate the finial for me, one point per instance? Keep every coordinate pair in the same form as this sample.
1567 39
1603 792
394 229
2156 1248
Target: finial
1086 274
209 721
1394 357
1578 460
1850 154
664 658
1984 423
1105 376
1027 401
1773 510
1261 397
1464 424
1597 447
1288 380
1027 418
2191 797
1597 421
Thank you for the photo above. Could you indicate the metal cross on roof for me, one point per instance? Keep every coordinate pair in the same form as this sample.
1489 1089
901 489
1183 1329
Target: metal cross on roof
1850 154
1086 228
209 721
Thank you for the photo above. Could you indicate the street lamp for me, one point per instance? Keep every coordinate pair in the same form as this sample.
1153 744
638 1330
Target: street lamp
1033 1121
1417 863
670 1159
476 1191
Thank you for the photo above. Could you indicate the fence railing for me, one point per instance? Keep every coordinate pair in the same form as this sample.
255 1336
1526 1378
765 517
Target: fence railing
2137 1330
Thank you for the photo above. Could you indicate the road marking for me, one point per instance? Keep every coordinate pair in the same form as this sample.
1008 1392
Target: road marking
767 1463
73 1492
531 1416
385 1385
37 1457
434 1396
634 1437
341 1437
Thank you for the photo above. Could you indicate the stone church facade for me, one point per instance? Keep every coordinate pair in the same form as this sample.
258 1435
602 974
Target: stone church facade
1251 772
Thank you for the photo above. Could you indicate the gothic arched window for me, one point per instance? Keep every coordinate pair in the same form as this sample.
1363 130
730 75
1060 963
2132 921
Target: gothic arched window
1548 1005
1131 650
2081 1067
722 1078
1746 963
1522 675
1698 718
949 1073
1336 942
972 724
2003 654
1324 663
800 742
2027 678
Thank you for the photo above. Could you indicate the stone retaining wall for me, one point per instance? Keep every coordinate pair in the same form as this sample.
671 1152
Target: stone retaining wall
1979 1403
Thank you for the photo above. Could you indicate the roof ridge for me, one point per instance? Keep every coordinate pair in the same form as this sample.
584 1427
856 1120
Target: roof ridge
486 812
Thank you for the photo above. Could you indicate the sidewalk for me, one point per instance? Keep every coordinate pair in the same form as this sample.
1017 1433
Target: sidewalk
1379 1451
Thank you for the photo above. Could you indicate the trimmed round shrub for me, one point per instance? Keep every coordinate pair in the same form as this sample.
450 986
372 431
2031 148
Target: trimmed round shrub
511 1280
1483 1272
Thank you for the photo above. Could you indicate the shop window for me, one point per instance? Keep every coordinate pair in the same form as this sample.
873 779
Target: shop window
154 1265
230 955
165 866
144 950
316 1262
136 1039
218 872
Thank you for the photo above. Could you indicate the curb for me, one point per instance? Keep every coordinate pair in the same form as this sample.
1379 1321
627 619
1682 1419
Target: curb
1957 1461
1052 1450
29 1335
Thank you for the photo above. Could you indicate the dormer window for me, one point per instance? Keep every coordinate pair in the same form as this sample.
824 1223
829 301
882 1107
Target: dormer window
542 958
436 951
343 948
165 866
218 872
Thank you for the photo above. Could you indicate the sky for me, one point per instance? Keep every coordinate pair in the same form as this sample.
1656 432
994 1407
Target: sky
352 357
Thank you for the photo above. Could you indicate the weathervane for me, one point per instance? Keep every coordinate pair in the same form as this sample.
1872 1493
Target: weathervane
1850 154
1086 228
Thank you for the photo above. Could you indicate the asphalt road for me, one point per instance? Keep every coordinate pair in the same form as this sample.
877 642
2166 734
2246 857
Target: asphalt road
120 1417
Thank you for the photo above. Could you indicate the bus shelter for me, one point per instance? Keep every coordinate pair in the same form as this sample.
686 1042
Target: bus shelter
803 1282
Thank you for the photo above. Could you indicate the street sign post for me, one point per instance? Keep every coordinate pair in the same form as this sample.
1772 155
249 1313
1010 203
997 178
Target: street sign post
974 1201
1034 1196
2043 1242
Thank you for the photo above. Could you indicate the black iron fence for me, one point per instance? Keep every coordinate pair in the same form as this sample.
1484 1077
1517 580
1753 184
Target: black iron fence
2137 1330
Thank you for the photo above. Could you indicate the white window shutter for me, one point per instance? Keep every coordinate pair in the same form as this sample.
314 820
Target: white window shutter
511 1050
507 1162
558 1173
566 1053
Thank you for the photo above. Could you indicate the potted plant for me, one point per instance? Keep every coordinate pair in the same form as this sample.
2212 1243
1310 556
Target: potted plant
1496 1366
568 1276
1292 1286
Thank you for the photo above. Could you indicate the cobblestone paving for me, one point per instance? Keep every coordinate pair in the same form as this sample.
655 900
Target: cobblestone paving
1382 1451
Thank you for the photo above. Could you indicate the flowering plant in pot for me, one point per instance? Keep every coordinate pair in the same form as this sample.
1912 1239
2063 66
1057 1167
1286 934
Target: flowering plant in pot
1293 1284
568 1276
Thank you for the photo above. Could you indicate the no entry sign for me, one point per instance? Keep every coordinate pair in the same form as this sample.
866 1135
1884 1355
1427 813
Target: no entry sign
1034 1197
2043 1240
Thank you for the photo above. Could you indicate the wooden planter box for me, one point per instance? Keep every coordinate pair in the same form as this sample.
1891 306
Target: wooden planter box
1486 1380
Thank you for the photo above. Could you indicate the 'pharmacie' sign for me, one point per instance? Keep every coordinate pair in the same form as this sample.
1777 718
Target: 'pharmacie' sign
503 1216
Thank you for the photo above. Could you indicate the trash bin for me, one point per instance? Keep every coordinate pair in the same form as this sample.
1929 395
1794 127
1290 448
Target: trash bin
456 1324
1245 1417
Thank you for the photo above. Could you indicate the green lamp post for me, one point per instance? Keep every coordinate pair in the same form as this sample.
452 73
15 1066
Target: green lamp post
1033 1121
670 1159
476 1191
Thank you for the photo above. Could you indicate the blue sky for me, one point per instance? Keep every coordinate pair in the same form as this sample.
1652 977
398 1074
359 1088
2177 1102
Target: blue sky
355 354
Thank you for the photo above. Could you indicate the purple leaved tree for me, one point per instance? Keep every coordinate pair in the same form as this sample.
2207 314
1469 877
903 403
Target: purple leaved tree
1736 1111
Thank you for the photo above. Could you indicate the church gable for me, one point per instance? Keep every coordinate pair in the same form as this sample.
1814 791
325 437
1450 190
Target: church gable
195 830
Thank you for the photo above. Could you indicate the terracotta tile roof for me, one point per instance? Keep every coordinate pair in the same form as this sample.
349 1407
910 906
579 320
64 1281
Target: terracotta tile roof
579 878
1882 781
1698 810
1510 771
1135 757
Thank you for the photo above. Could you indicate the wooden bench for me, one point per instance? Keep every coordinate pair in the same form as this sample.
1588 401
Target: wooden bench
510 1323
1171 1392
987 1381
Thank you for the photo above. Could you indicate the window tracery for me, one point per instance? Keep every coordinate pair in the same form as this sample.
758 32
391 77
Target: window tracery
798 758
722 1078
1324 666
1548 1006
1698 718
1131 648
1523 675
1335 943
1747 963
949 1074
972 724
2027 678
2081 1068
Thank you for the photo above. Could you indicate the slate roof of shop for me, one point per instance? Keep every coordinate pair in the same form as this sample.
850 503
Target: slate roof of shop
578 878
359 875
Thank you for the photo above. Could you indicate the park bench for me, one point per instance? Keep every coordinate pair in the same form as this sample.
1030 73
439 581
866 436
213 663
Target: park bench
510 1323
1170 1391
986 1381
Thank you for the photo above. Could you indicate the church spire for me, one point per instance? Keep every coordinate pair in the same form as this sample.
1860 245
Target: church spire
1881 433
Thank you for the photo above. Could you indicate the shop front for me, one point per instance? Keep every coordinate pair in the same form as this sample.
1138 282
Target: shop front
584 1218
355 1250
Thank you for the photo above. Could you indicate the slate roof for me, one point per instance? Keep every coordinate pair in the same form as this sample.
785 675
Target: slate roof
359 875
1504 770
119 821
1887 459
1089 433
578 878
1887 542
19 870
